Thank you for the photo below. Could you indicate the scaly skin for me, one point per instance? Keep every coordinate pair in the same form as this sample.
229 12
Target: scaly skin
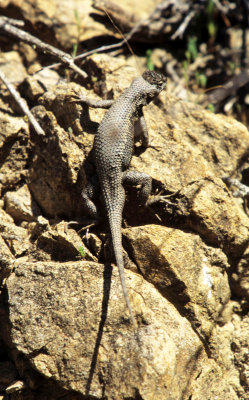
113 149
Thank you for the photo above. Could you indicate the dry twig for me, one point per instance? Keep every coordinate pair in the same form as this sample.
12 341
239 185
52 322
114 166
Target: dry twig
9 28
22 105
141 24
180 31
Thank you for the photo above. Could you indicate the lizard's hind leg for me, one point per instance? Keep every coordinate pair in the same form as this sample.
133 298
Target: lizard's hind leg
139 178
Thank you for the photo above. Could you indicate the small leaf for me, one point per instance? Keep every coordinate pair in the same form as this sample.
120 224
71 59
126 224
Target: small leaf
82 251
211 107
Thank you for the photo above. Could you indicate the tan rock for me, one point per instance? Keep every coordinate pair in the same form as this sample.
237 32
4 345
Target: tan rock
184 269
76 337
63 320
21 206
240 345
214 214
63 244
212 384
60 19
14 146
10 63
54 168
80 22
35 85
16 237
6 260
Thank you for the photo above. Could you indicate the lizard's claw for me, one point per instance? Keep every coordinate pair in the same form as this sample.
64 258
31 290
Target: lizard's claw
152 146
158 199
78 99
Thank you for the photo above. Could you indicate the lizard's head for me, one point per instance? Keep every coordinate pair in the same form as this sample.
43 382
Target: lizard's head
155 79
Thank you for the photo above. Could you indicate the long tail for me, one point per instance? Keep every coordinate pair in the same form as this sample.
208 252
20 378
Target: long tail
115 226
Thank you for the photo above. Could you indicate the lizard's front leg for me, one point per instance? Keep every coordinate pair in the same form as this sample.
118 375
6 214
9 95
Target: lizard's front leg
140 130
92 102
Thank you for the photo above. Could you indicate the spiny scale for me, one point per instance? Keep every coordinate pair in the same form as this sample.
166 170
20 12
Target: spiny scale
113 149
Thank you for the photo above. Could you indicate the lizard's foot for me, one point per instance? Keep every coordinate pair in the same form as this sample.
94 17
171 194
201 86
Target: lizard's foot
87 227
160 199
153 146
78 98
87 223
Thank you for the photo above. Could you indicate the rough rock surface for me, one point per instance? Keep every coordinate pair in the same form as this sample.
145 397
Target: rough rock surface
79 21
64 326
82 341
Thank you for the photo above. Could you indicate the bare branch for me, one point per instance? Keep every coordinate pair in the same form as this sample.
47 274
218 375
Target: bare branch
103 48
65 58
225 9
12 21
179 32
22 105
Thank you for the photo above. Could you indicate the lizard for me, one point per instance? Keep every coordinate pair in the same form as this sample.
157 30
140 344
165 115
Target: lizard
113 148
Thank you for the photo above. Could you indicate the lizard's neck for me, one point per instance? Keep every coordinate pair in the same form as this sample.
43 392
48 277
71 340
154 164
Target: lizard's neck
136 93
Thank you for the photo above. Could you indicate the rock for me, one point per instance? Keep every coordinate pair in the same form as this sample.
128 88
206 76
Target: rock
106 71
21 206
10 62
63 318
69 114
184 269
212 384
16 237
63 244
15 387
76 338
214 214
6 260
54 168
14 146
34 86
240 345
60 24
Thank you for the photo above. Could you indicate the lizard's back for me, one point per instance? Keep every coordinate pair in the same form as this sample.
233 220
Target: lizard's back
113 147
113 144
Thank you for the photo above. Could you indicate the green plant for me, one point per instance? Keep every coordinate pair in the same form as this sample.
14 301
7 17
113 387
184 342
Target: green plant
211 107
238 107
149 63
82 251
191 54
231 67
201 79
211 24
75 45
192 51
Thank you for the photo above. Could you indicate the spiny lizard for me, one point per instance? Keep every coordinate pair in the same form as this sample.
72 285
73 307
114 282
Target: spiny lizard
113 149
